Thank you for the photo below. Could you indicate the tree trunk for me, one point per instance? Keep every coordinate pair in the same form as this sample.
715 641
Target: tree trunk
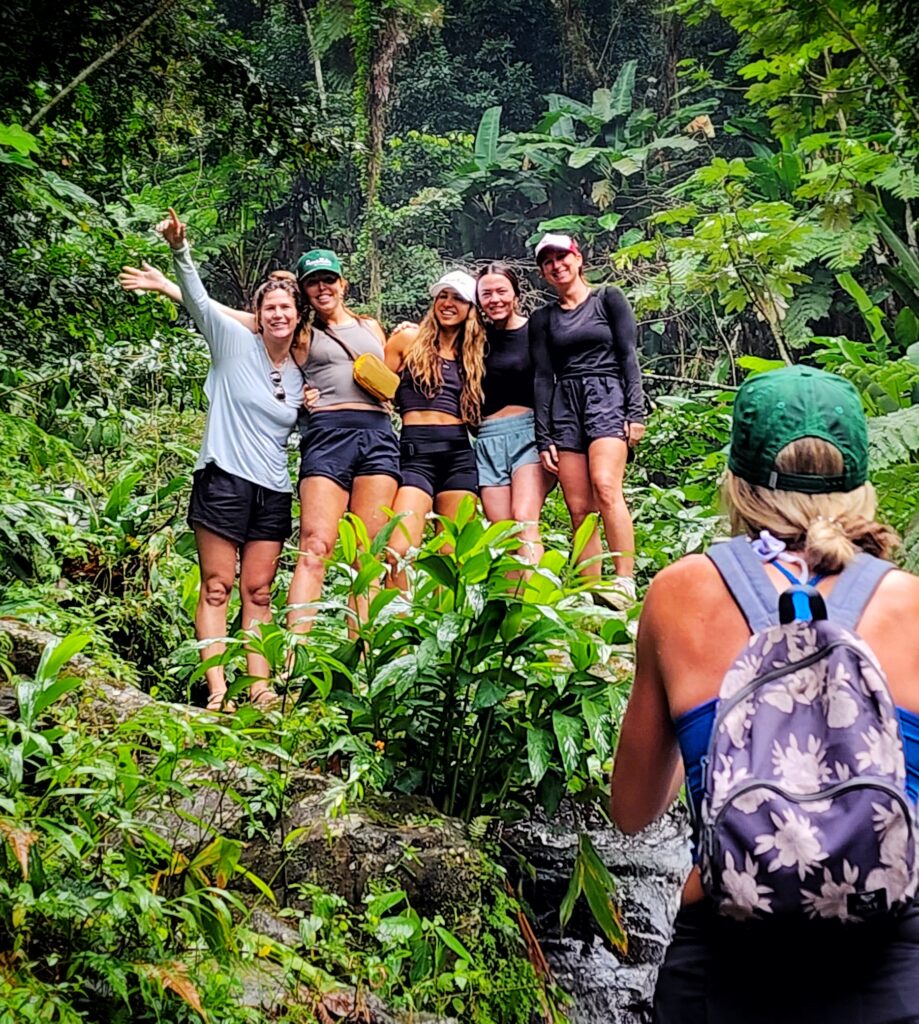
575 41
98 63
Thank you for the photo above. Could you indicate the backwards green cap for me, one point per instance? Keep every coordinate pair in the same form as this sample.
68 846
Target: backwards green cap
318 259
773 409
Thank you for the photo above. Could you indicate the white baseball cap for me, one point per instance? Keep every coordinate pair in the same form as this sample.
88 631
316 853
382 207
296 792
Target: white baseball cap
563 243
461 282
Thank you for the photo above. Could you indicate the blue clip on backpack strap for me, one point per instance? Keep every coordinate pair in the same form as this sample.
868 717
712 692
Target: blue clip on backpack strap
855 588
744 576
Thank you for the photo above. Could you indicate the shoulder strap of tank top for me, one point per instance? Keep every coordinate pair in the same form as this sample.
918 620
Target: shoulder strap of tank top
746 579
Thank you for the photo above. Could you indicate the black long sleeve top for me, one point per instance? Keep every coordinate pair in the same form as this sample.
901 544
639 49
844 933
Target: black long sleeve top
597 338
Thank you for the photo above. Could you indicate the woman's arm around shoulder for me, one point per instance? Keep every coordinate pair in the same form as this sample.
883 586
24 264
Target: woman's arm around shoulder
648 770
398 344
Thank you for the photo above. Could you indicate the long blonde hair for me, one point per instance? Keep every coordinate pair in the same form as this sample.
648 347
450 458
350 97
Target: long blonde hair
827 530
422 360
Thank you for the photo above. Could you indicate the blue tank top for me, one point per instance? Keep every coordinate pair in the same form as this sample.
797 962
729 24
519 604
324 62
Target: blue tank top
694 729
410 397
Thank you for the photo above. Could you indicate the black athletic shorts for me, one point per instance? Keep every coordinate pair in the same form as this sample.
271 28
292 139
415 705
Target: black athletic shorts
347 443
238 509
718 971
438 458
584 409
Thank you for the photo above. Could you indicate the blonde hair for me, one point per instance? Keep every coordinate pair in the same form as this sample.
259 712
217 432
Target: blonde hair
422 360
827 530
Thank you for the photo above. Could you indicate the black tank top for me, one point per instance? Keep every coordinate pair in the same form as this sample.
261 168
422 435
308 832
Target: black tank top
409 397
508 369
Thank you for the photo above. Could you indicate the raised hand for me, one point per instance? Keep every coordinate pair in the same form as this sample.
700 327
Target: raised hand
145 279
172 229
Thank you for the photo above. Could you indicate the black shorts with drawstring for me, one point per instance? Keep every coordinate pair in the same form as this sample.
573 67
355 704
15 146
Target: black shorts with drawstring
437 458
236 508
584 409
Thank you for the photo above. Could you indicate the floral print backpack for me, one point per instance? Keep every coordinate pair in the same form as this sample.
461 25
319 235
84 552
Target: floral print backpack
805 810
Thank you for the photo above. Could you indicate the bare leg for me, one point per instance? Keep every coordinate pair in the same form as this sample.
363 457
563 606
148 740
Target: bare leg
370 496
258 568
529 487
217 558
579 497
322 504
412 504
606 460
496 503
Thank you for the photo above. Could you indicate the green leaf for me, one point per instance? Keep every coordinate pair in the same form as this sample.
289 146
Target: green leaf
756 364
47 695
599 726
439 568
602 105
575 885
539 753
486 137
609 221
449 939
379 904
570 735
348 539
488 694
582 536
399 929
16 137
599 888
120 493
621 93
582 157
55 657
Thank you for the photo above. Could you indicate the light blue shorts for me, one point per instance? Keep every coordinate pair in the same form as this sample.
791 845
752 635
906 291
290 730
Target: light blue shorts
503 446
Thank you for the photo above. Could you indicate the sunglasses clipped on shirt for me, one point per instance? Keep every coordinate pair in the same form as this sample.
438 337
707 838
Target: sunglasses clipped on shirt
276 382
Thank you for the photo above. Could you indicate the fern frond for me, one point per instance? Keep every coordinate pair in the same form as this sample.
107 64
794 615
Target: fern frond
894 439
811 303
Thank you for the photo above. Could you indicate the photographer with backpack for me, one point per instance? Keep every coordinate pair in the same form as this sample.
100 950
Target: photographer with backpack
778 674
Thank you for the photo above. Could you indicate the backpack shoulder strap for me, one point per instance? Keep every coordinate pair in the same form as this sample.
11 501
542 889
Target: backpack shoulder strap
745 578
855 588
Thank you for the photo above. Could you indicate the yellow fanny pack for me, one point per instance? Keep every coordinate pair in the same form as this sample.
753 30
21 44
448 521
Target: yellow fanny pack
370 372
375 377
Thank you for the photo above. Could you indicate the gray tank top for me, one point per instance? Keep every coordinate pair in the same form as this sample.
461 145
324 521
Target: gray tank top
331 370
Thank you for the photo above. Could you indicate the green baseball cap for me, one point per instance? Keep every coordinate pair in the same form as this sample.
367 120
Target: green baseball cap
316 260
773 409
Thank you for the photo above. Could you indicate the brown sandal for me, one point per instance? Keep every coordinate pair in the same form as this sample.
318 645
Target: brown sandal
218 702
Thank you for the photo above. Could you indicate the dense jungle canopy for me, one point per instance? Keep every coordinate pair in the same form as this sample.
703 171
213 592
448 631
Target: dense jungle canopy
746 170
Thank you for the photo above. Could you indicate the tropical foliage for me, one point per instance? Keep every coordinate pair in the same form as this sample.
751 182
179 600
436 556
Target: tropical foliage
747 172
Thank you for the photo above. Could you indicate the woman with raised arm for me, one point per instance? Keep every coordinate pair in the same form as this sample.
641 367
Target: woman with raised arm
441 365
241 497
800 506
350 455
589 401
512 481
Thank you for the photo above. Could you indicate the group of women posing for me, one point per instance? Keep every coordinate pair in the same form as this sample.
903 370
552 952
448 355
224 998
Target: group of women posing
558 395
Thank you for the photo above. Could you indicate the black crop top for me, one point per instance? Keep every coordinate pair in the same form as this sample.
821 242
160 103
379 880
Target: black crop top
410 398
508 369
